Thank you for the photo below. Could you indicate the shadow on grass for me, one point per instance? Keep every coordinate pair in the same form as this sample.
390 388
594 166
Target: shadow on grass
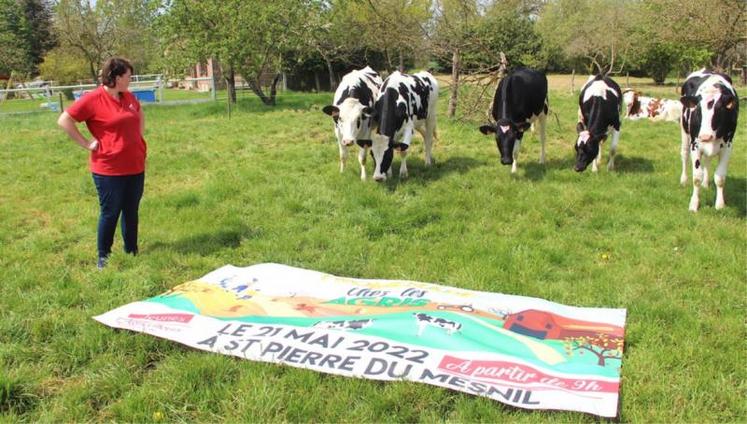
207 243
633 164
536 171
421 174
735 194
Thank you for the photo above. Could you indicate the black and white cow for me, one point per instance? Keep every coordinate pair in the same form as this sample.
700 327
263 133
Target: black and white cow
406 103
519 101
352 105
424 320
599 107
709 120
357 324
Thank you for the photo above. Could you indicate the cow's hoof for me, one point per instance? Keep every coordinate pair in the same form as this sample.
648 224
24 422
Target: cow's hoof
683 180
720 205
403 174
694 206
380 179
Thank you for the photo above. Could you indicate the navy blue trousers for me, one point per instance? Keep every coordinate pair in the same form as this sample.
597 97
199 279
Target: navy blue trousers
118 195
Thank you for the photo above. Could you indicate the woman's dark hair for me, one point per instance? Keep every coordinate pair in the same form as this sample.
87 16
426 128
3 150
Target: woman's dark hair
113 68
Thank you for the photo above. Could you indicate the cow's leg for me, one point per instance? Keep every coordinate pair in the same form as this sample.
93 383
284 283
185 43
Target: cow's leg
515 155
697 179
403 165
613 149
541 124
343 155
719 177
705 163
362 161
684 153
595 162
407 142
430 128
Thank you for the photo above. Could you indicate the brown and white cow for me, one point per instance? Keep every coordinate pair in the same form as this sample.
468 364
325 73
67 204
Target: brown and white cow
636 105
664 110
709 121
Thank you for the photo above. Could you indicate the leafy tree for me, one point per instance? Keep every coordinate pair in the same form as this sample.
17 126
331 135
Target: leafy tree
25 34
64 66
659 59
325 33
98 30
479 39
595 32
718 29
395 27
245 36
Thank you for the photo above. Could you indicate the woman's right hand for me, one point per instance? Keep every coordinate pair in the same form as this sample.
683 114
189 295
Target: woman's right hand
93 145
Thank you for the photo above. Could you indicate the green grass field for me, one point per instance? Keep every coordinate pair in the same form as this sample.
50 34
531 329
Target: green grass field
264 186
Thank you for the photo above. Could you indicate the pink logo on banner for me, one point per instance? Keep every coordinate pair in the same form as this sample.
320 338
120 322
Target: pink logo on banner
509 372
183 318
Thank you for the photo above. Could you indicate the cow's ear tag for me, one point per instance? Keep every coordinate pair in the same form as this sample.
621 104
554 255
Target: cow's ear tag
730 104
504 128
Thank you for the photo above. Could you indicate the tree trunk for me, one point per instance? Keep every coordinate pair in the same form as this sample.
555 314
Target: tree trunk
92 68
317 82
273 88
401 66
230 78
332 79
455 68
256 87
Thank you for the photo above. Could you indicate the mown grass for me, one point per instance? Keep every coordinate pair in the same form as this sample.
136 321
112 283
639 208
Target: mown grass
264 186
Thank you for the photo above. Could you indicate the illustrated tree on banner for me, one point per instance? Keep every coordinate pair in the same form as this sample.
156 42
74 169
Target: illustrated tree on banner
601 345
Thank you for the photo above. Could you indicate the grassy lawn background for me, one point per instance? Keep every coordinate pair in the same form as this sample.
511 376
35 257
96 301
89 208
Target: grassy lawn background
264 186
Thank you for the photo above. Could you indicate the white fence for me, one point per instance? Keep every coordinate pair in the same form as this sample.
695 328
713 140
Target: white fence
45 96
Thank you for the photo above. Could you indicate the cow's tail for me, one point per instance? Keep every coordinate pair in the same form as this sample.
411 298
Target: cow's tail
557 119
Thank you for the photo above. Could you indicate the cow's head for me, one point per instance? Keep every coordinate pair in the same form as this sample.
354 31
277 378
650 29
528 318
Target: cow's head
506 134
382 150
713 113
350 118
587 146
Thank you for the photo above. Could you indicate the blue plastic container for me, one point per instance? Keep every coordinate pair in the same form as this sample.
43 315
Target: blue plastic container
80 93
145 94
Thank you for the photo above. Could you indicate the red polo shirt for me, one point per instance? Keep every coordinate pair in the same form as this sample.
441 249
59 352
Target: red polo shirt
116 125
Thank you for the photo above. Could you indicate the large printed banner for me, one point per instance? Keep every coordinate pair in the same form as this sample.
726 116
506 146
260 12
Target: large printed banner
524 352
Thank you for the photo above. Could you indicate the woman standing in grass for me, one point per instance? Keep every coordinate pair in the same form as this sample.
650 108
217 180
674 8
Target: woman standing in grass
113 117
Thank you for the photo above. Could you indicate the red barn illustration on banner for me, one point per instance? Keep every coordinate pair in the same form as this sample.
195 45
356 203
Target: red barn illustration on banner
546 325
